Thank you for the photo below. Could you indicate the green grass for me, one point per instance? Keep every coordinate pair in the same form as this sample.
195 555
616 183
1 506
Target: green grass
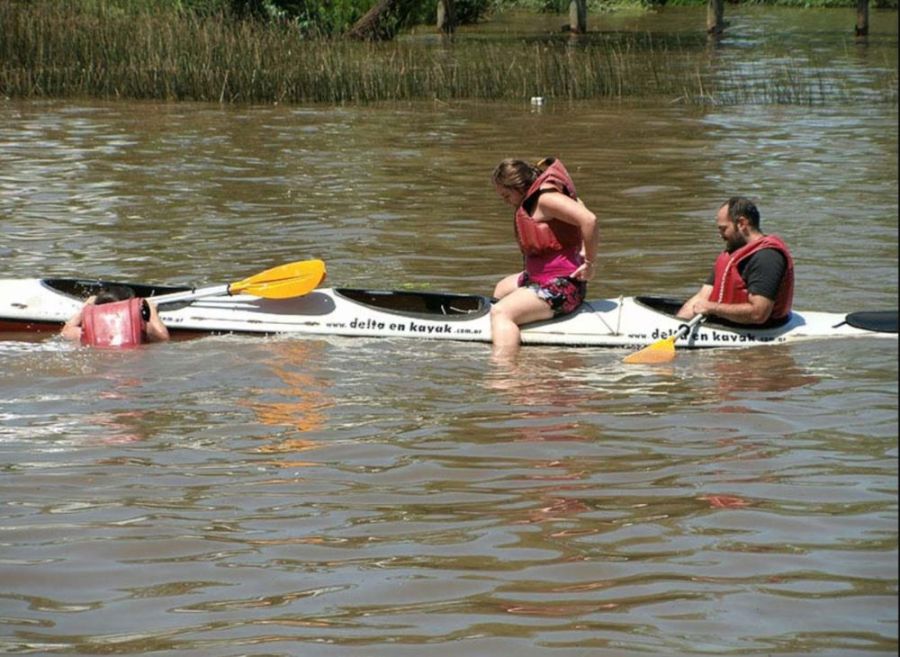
56 49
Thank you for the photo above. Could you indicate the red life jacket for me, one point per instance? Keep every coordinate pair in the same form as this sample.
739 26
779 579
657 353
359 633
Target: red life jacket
554 236
116 324
730 287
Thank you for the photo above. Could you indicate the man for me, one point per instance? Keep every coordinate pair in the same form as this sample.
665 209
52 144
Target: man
752 281
116 318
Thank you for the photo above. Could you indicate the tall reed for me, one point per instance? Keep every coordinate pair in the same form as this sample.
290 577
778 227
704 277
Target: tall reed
55 49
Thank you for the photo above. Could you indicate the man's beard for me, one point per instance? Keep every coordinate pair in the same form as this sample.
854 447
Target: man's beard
734 244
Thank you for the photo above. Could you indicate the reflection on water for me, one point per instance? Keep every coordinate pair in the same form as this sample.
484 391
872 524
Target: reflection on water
119 426
539 393
294 363
757 370
300 407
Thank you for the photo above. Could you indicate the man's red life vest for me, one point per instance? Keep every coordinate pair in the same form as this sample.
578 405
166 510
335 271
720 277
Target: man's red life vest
116 324
729 287
554 236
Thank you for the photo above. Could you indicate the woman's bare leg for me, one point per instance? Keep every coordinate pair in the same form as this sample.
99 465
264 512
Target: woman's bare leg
519 307
506 286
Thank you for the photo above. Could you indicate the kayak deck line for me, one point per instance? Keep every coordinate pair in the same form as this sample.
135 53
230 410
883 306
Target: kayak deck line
626 322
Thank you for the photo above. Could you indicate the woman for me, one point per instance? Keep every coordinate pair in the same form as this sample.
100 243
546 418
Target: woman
558 237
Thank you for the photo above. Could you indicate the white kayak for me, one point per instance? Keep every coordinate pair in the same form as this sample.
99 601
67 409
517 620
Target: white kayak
44 304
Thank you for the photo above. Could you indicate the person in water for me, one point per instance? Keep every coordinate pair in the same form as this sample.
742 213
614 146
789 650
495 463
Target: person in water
558 237
752 281
114 317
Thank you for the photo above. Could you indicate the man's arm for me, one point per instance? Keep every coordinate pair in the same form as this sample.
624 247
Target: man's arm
763 273
756 311
71 330
687 310
156 330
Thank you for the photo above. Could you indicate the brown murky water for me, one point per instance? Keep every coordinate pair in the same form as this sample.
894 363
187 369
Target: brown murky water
284 496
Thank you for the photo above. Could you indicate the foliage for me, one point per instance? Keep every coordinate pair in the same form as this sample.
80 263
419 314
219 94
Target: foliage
54 49
806 4
336 16
331 18
307 16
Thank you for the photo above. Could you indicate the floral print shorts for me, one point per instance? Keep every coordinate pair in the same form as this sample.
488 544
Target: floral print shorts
563 294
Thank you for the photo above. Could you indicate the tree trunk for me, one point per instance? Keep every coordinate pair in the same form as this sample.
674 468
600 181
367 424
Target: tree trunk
862 17
578 16
446 16
715 16
382 22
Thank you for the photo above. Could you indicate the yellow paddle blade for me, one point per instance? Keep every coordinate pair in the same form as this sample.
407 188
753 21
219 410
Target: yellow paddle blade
661 351
282 289
291 280
305 269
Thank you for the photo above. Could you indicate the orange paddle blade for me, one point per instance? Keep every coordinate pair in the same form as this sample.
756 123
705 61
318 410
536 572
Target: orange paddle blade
283 282
662 351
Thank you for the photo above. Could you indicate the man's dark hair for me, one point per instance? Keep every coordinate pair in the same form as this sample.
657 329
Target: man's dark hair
739 206
110 293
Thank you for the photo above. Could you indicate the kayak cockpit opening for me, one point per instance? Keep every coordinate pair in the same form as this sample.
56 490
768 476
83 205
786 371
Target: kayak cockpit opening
82 288
665 305
671 306
422 304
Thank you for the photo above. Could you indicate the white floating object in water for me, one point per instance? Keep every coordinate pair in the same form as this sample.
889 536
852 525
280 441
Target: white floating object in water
537 100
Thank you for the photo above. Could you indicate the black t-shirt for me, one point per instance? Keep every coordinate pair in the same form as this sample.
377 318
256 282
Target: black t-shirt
762 272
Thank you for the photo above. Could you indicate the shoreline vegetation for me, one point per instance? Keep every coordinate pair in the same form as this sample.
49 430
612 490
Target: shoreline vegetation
123 49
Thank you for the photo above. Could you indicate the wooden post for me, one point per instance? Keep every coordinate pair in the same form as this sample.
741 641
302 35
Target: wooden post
446 16
715 17
578 16
862 18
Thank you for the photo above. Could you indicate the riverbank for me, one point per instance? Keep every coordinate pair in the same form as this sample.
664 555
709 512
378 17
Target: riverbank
62 50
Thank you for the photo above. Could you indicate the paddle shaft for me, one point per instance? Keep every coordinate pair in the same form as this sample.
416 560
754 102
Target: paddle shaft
190 295
685 329
282 282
